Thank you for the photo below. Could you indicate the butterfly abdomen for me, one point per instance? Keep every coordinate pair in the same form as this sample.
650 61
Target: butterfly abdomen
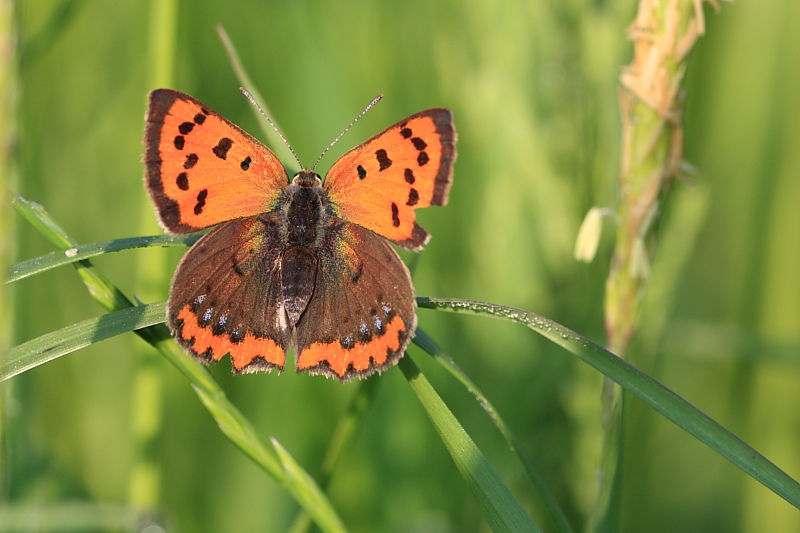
298 276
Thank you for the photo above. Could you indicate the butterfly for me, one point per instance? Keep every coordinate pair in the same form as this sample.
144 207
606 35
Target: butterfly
299 263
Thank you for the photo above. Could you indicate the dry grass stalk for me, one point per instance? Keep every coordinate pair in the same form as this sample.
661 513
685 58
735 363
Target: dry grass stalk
651 100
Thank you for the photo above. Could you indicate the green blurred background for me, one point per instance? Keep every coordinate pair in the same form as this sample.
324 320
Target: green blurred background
533 88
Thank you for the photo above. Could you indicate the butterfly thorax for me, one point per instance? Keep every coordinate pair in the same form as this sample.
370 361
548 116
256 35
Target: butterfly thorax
305 207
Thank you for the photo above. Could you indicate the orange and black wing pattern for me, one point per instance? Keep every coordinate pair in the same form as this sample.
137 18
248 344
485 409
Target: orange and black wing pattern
225 296
362 315
380 183
298 266
201 169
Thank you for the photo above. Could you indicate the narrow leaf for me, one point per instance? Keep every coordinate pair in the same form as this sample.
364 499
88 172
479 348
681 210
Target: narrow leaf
557 515
650 391
65 340
59 258
501 510
307 492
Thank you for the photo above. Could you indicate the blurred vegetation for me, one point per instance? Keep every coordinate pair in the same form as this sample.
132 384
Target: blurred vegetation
114 431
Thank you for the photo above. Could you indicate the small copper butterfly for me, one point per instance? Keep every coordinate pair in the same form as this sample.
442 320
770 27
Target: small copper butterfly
293 263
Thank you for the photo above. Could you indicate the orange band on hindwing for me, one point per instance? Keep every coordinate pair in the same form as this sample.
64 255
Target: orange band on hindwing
260 353
355 358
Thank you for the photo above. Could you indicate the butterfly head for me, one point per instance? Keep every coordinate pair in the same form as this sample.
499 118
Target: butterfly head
307 178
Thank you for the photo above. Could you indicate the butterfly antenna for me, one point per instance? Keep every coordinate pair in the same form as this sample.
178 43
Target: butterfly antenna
253 101
372 103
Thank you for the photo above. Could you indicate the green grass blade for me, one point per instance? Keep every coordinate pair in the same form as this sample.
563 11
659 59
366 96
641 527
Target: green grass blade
238 429
46 262
232 422
38 217
306 491
162 36
555 512
650 391
101 289
341 441
502 511
53 345
145 481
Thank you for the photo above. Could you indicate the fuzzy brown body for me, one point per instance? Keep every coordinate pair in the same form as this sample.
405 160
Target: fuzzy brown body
305 204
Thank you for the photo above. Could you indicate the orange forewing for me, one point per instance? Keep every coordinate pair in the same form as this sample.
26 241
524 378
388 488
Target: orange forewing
380 183
202 169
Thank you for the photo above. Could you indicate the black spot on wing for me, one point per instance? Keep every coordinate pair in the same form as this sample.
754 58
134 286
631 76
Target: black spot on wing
182 181
383 159
418 143
364 335
191 161
413 197
237 269
186 127
237 335
347 342
356 274
395 215
201 201
222 147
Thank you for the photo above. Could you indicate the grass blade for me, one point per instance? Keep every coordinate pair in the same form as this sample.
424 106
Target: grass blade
274 140
46 262
304 489
650 391
555 512
502 511
54 344
343 436
230 420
